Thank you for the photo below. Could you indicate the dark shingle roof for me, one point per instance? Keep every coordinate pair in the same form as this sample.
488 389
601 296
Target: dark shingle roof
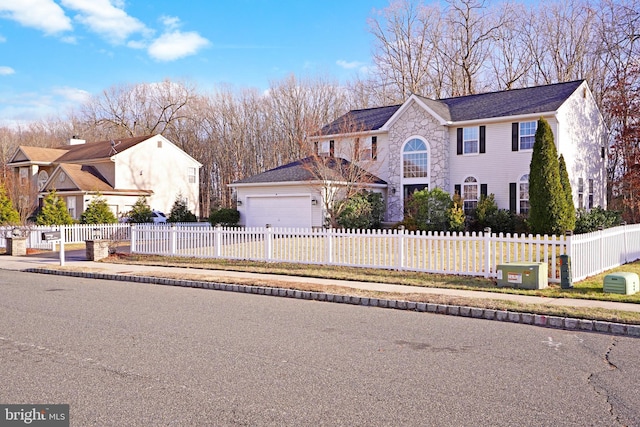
99 150
303 170
360 120
538 99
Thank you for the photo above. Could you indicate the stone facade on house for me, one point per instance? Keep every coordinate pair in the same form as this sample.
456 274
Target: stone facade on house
415 122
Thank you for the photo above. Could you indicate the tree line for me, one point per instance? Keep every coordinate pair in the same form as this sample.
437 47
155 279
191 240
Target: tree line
437 50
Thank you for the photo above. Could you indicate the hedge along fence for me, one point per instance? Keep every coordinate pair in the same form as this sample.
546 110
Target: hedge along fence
475 254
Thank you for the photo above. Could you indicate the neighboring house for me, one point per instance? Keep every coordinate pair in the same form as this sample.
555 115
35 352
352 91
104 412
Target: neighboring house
472 145
119 170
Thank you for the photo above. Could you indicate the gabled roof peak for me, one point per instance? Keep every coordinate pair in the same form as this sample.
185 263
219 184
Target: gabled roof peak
488 105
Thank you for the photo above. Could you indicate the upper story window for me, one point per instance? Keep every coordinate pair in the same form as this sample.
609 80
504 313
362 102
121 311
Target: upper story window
580 192
24 176
191 173
527 135
368 149
470 140
523 194
415 159
470 194
326 148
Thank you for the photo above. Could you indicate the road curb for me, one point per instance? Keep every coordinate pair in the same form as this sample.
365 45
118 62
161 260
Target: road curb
555 322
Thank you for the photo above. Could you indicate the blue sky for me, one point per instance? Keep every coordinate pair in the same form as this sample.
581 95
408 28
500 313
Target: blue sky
56 53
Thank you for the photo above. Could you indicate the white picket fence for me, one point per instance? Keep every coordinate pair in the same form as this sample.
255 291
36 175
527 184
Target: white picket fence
475 254
76 233
593 253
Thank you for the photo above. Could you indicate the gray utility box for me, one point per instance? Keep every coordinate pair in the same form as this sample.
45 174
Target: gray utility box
621 283
523 275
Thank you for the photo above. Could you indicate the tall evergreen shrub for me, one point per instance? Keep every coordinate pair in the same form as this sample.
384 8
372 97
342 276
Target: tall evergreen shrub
546 198
569 220
54 211
8 214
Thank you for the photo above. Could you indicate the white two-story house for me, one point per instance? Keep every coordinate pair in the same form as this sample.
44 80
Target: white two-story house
118 170
472 145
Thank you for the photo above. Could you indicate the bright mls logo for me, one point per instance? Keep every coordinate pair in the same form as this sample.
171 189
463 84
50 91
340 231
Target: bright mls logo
34 415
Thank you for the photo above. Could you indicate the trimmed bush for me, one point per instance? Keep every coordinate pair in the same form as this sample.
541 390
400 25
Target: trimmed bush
224 216
141 212
588 221
180 212
8 214
98 212
362 211
429 208
54 211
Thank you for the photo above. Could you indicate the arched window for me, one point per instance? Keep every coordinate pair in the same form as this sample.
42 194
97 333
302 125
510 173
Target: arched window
415 159
415 166
523 194
470 194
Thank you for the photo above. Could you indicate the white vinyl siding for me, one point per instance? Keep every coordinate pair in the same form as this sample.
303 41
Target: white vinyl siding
497 169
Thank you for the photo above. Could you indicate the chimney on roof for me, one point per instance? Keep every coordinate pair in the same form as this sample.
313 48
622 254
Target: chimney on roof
76 141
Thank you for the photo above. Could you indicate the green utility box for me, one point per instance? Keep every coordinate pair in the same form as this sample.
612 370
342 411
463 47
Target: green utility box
621 283
523 275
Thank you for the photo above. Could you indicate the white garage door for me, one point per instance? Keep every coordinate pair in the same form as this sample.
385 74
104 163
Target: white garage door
279 211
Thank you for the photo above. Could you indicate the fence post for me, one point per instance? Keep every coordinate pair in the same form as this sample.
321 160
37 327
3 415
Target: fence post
624 233
488 259
172 239
568 235
132 238
62 239
400 248
268 242
218 239
328 233
601 254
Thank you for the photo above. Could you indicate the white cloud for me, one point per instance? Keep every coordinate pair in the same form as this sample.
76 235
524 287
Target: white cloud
26 107
3 39
106 18
71 94
349 65
352 65
170 22
5 71
44 15
176 44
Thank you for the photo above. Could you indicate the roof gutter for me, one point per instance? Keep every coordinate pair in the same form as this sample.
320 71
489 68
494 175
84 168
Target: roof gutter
317 183
520 117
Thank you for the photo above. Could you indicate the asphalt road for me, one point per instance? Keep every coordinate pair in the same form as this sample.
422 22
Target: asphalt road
146 355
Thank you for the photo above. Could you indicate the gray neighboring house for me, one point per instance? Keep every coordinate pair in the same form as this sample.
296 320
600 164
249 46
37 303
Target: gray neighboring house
473 145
